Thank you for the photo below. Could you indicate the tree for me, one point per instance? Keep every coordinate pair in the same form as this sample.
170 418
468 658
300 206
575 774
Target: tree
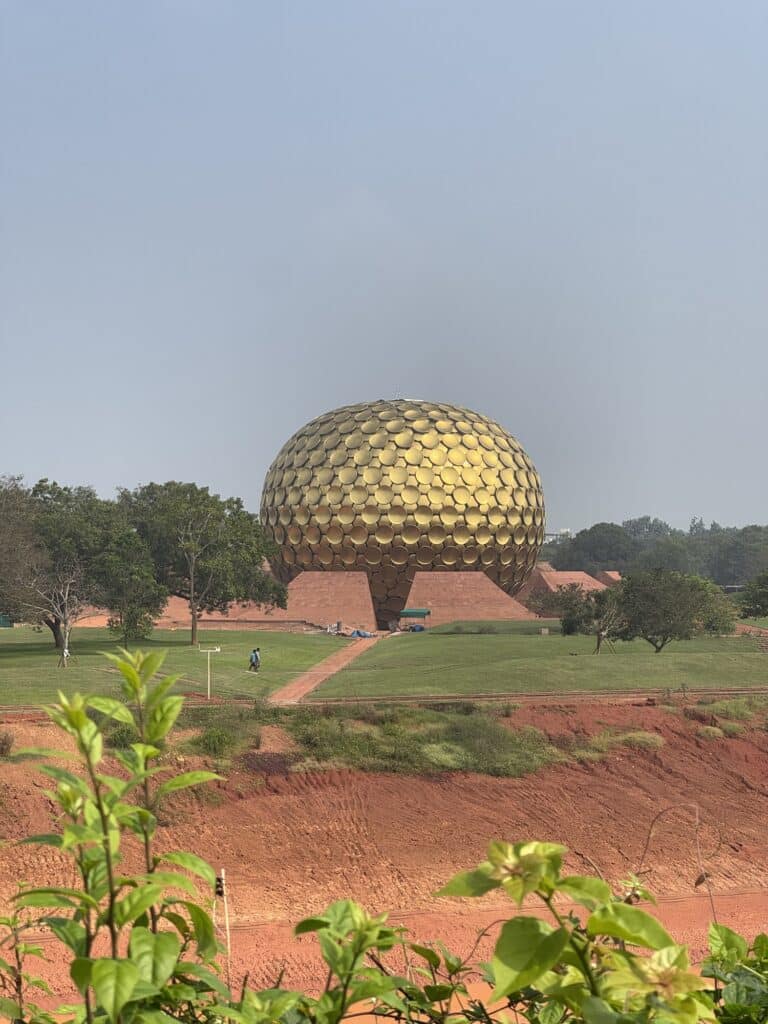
753 599
661 605
128 587
72 527
602 546
207 550
647 530
566 603
18 545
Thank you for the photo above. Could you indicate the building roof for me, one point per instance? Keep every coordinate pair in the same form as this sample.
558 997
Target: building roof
553 579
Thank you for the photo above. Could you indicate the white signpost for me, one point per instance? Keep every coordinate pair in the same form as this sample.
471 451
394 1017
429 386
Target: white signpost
209 651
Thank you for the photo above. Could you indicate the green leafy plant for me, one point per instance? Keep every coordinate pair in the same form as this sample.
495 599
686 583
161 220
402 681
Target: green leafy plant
6 742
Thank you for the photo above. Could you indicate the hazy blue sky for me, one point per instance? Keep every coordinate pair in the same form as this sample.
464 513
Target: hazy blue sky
220 219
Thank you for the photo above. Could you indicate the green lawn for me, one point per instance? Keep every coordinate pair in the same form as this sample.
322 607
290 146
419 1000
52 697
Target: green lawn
763 623
28 660
440 663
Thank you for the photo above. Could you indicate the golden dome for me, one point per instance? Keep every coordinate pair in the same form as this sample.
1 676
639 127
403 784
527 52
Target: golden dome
391 488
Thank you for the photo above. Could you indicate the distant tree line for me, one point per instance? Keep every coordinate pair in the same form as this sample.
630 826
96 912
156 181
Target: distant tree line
730 556
65 551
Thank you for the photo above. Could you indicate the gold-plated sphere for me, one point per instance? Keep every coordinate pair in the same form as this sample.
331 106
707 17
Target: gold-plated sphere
391 488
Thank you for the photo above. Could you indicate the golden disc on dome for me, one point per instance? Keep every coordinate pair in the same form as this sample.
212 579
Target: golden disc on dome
522 477
278 534
316 459
462 534
473 517
518 496
469 555
347 555
413 455
461 495
384 494
431 439
527 516
425 474
483 535
324 555
449 475
423 515
372 554
369 426
388 456
424 555
398 556
363 456
358 535
495 516
520 535
506 459
330 442
503 535
301 515
410 495
458 456
312 535
359 494
444 426
312 495
514 517
395 425
449 556
384 533
474 459
421 424
448 516
371 475
410 534
469 476
288 555
482 497
346 515
396 515
436 496
437 456
469 441
370 515
451 440
506 555
334 495
324 476
303 476
294 496
285 515
436 534
303 555
334 534
338 457
379 440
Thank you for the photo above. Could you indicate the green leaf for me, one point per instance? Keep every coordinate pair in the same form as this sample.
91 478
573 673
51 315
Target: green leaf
192 863
132 906
204 974
725 944
470 883
526 948
154 955
112 709
311 924
597 1011
426 953
589 892
9 1009
113 982
186 780
621 921
53 897
203 929
71 933
43 839
162 718
80 973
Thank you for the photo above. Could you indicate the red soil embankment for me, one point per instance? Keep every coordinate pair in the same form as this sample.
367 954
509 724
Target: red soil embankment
291 843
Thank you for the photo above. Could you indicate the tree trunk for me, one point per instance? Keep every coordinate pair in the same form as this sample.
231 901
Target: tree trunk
194 611
599 643
54 624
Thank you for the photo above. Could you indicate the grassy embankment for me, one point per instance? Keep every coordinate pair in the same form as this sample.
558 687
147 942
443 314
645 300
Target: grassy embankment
29 673
431 738
509 658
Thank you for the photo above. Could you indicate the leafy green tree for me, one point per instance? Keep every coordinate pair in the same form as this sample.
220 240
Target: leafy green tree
128 587
565 603
72 527
207 550
753 599
662 605
19 549
602 546
646 529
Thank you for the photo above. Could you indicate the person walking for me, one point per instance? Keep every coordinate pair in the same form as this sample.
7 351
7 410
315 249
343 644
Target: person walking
254 662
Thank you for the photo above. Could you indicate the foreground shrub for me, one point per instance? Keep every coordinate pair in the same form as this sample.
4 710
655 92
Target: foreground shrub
215 741
710 732
142 947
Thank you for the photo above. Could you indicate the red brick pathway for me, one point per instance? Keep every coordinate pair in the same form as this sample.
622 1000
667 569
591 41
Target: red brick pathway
299 687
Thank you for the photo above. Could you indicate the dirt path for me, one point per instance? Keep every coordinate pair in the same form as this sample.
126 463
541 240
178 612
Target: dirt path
299 687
